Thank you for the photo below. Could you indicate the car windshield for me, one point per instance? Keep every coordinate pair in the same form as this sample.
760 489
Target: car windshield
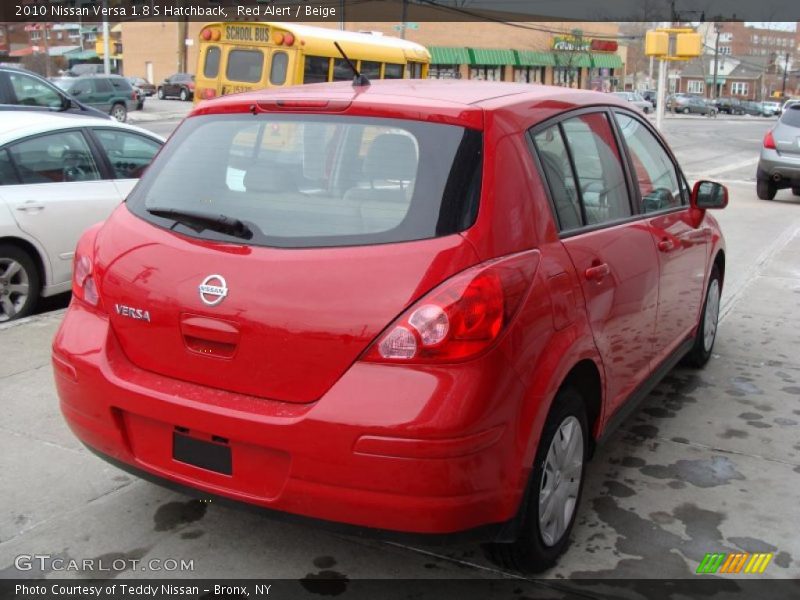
791 116
313 180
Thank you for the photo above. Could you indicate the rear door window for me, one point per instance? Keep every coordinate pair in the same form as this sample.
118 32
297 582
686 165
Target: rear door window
555 161
129 153
245 65
598 169
311 181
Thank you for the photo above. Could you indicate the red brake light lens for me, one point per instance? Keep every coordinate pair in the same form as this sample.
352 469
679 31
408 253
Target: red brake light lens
769 141
462 317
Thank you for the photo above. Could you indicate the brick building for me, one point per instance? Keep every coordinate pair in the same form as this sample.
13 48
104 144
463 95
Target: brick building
552 53
738 77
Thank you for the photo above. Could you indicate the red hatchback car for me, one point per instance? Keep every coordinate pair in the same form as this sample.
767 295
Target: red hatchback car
413 307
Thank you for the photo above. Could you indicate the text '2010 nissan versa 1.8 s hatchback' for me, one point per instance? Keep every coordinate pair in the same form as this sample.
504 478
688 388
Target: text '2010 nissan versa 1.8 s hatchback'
413 306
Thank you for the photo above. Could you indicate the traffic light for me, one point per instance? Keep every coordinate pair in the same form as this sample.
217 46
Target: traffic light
688 45
656 43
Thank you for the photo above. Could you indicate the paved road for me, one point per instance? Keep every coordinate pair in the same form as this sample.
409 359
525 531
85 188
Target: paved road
710 464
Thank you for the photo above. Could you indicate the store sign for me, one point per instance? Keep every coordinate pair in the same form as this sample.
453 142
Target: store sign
571 44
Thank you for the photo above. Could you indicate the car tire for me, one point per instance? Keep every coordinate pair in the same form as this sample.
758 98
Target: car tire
796 191
686 111
539 543
184 94
160 93
119 112
17 269
709 320
766 189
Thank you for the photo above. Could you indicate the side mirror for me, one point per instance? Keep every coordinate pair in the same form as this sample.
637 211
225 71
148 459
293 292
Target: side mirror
709 194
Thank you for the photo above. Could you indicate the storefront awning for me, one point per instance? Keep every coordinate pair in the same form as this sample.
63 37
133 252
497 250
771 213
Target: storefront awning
443 55
573 59
491 56
606 61
720 80
81 55
530 58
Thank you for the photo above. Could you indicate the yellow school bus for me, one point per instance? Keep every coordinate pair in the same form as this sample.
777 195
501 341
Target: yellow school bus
237 57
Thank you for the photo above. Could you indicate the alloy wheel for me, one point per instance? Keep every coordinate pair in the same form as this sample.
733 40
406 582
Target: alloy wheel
561 481
14 288
712 316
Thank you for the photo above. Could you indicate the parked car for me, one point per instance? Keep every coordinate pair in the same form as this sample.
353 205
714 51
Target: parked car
59 174
788 103
111 94
23 90
770 108
651 96
730 106
752 108
637 100
180 85
779 163
417 312
148 89
689 104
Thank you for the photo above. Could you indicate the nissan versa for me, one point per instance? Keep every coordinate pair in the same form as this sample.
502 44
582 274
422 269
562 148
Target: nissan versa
414 306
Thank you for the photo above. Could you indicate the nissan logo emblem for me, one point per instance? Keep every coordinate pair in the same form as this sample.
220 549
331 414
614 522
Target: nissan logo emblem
213 290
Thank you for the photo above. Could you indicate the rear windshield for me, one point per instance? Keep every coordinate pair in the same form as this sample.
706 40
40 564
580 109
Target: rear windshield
791 116
314 180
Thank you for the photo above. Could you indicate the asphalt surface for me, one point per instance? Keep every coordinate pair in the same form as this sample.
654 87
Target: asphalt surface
711 462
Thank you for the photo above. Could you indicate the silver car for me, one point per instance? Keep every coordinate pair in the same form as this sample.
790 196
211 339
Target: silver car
637 100
779 165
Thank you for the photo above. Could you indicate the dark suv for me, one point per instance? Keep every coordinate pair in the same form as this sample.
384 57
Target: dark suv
111 94
180 85
731 106
24 90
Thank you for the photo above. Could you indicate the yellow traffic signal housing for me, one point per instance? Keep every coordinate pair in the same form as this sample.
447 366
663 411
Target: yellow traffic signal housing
656 43
688 45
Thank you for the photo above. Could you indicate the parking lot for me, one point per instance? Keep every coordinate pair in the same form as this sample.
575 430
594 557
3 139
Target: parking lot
711 462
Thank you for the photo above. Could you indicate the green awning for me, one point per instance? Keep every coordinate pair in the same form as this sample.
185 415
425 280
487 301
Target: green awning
491 56
606 61
720 80
573 59
529 58
443 55
81 55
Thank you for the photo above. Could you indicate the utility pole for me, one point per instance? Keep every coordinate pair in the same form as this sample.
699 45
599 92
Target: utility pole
403 20
341 16
717 28
183 32
106 42
46 50
785 69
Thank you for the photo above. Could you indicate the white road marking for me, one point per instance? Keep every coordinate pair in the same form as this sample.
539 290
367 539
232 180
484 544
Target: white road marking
750 162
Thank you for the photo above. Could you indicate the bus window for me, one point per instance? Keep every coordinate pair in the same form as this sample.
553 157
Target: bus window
277 72
245 65
341 70
371 69
316 69
414 70
211 67
393 71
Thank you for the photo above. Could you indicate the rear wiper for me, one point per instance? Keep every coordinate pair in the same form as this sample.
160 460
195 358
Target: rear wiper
200 221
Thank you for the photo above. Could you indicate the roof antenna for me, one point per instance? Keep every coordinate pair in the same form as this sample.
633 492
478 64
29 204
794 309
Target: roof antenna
359 80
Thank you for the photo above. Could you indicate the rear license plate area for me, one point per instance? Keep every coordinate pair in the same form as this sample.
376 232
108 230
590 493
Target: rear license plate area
210 455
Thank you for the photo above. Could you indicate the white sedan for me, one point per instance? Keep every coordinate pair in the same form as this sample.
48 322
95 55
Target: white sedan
59 174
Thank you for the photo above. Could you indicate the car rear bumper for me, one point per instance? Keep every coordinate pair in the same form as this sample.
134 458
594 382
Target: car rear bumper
387 447
782 169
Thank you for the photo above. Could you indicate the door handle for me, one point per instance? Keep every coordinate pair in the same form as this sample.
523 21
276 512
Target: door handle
30 206
597 272
666 245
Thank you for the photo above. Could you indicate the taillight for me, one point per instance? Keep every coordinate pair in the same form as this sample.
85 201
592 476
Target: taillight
769 141
209 93
134 95
84 282
460 318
